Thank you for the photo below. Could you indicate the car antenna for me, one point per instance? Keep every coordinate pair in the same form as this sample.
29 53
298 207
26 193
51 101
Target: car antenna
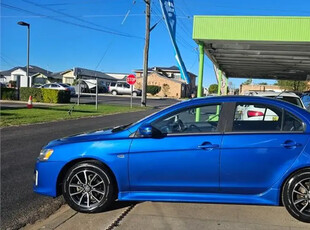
284 91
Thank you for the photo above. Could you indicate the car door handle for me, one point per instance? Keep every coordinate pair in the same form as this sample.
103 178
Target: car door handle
208 145
290 144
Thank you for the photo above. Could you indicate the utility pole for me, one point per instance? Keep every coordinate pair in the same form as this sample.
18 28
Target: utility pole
146 51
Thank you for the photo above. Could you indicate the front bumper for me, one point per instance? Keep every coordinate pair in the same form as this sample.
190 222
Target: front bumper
45 177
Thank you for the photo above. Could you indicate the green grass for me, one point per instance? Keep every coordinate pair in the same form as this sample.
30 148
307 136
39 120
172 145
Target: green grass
19 116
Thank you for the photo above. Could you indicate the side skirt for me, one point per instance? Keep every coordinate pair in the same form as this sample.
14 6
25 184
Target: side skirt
271 197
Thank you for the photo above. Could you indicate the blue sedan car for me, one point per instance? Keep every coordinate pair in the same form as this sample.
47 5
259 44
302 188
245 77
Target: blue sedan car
200 150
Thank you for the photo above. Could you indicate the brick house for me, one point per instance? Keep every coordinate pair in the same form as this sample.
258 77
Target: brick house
169 79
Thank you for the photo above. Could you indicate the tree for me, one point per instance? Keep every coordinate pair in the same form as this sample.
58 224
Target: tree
213 88
248 82
263 83
293 85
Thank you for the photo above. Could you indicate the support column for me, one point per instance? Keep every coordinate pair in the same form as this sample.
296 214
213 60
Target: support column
200 77
227 90
219 86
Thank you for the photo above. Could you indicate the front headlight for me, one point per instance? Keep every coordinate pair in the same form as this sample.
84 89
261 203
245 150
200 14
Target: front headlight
45 154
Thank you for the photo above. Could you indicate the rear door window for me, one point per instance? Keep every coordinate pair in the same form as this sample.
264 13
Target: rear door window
252 117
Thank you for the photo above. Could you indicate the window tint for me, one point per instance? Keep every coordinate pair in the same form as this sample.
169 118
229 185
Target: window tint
119 85
292 100
127 85
258 117
112 84
55 86
292 123
46 86
188 120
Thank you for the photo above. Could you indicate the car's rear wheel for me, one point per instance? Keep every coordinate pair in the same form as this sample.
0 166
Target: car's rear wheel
114 92
88 187
296 195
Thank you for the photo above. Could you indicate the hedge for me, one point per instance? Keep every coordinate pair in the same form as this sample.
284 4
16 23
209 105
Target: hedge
153 89
45 95
36 94
8 94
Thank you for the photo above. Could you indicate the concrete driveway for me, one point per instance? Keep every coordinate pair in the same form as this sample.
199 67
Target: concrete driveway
153 215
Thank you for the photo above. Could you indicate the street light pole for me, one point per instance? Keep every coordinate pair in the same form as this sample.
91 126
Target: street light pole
28 46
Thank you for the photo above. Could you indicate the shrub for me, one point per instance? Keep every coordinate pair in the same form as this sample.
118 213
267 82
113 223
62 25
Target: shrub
64 96
36 94
55 96
45 95
8 94
153 89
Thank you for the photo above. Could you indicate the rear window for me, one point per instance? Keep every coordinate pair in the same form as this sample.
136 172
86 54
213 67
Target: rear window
113 84
292 100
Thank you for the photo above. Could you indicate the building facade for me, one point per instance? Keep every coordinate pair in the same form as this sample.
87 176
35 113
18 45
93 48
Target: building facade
169 80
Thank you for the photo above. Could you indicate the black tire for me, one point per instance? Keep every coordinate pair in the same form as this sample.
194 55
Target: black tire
93 196
114 92
296 195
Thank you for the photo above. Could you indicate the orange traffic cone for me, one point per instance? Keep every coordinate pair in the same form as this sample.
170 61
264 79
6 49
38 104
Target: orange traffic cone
29 104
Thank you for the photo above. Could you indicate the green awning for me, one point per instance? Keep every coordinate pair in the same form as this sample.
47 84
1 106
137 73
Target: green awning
256 47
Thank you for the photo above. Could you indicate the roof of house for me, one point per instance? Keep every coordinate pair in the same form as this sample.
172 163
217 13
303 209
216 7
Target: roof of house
8 72
91 73
32 70
174 69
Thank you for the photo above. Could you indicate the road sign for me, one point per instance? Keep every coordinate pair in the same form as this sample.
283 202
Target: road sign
131 79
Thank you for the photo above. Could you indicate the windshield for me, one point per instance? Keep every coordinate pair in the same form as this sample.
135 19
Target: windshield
292 100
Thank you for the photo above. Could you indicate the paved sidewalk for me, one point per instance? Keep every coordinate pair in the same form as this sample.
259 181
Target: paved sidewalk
187 216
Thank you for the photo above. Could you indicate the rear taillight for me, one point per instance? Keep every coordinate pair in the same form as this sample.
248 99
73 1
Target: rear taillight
255 113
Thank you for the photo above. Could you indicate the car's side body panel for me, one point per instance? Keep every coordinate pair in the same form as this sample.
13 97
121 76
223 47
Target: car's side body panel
174 163
252 163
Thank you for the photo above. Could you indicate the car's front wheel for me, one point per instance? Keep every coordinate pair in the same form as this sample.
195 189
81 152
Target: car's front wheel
114 92
134 94
88 187
296 195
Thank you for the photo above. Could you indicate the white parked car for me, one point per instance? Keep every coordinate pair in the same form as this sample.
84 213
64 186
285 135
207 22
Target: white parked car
256 113
60 86
123 88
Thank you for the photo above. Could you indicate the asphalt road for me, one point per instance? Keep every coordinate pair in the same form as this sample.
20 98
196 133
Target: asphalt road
123 100
19 148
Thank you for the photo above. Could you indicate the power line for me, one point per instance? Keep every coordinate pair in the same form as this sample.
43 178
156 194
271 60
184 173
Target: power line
70 23
65 14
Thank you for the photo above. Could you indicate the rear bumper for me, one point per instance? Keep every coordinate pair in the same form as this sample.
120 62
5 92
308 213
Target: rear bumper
45 177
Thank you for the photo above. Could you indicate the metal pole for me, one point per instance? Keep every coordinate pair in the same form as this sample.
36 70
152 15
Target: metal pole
146 51
28 48
79 91
200 77
219 87
227 90
131 89
96 93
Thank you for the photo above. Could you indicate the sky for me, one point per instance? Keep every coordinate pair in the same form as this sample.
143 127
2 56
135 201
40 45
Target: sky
97 34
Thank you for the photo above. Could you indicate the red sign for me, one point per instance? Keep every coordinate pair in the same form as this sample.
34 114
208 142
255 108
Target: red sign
131 79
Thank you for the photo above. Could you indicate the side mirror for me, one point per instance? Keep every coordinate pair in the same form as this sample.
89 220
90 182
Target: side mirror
146 131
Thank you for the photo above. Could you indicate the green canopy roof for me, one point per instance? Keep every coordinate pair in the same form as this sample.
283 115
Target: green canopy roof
256 47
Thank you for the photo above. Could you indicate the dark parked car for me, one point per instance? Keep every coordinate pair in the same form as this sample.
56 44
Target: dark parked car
200 150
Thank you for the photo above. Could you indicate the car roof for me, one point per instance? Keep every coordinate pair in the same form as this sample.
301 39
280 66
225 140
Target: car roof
240 98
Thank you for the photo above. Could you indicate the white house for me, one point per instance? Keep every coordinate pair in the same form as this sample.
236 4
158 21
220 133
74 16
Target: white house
37 75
